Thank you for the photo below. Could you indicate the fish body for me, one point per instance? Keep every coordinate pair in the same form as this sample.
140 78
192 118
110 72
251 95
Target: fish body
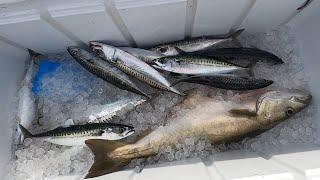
242 56
195 65
228 82
194 44
104 70
75 135
219 121
103 113
132 66
145 55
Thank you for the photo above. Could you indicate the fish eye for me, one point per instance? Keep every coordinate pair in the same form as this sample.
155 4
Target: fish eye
122 129
289 111
90 61
162 61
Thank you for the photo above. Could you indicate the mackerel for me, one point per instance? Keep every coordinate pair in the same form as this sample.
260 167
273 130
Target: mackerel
132 66
195 65
242 56
104 70
228 82
194 44
76 135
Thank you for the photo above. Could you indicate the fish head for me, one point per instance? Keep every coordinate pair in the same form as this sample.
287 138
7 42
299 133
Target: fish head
118 131
164 64
275 106
104 51
166 50
81 55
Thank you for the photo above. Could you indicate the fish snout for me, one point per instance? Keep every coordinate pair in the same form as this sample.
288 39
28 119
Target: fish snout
305 99
94 45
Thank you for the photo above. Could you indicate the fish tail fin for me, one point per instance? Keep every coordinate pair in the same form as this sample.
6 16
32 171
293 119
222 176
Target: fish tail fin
151 100
25 132
236 33
183 79
172 89
234 37
35 56
177 81
103 164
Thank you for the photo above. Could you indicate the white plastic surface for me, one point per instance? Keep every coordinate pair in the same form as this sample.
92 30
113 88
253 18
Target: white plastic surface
11 73
95 23
266 14
216 17
164 22
30 31
26 24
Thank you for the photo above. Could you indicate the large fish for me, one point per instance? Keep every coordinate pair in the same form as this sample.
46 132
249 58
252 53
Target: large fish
242 56
145 55
75 135
219 121
194 44
104 70
132 66
195 65
228 82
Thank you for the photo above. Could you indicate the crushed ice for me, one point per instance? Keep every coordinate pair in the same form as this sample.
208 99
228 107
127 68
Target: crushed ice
71 90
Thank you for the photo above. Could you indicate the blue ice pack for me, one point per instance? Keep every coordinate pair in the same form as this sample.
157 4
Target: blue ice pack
45 66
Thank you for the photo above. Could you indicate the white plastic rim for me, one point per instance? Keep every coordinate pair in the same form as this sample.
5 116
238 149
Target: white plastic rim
49 26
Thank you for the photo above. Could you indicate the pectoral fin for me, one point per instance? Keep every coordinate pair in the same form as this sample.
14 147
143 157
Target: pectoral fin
243 112
180 51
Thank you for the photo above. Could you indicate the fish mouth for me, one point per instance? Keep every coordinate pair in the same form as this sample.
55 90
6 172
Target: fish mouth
95 46
304 99
158 65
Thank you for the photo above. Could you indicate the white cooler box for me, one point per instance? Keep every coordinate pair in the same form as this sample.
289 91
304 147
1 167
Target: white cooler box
49 26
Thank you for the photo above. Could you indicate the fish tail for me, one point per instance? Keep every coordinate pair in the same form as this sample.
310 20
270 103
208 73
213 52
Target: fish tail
151 100
25 132
103 164
172 89
250 71
35 56
184 79
236 34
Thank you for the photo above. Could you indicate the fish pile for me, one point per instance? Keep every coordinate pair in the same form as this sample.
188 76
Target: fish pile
202 60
